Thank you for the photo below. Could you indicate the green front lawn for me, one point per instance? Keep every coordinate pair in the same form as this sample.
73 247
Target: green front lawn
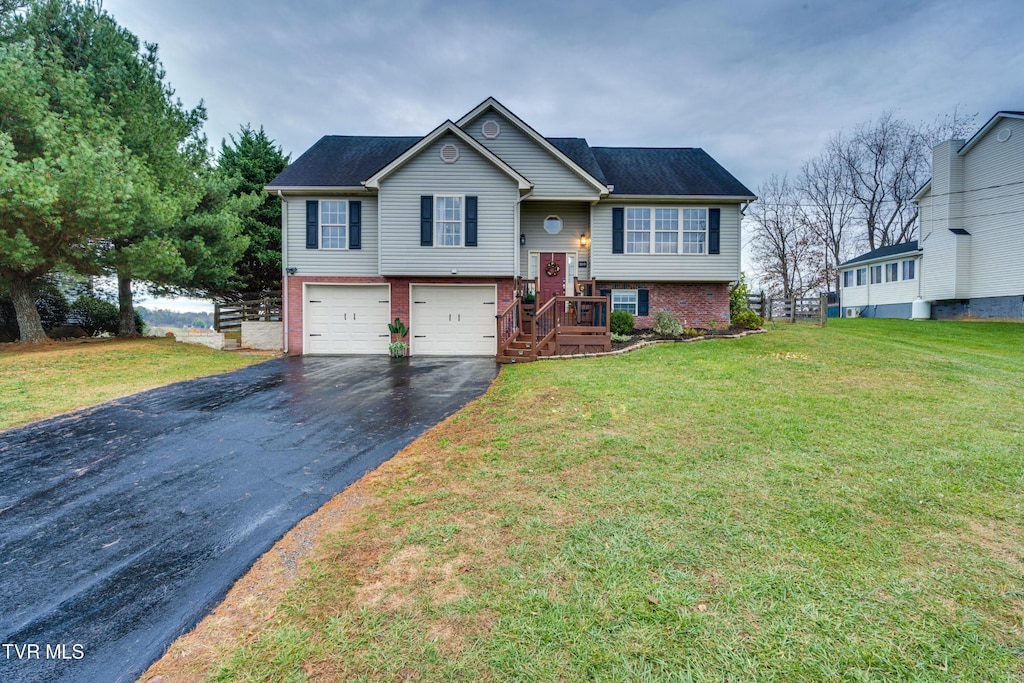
839 504
42 382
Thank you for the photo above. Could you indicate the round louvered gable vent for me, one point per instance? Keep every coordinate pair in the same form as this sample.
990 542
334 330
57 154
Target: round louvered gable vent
449 153
491 129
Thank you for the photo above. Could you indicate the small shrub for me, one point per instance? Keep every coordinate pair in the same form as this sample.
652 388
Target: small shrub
621 322
620 338
738 295
94 315
666 325
747 320
691 332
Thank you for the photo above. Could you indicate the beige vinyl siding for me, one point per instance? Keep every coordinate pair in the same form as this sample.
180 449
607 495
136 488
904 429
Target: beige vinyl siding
993 212
330 261
575 221
550 177
427 174
853 297
722 267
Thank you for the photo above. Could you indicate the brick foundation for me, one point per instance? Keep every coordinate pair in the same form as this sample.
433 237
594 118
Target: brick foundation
399 297
694 304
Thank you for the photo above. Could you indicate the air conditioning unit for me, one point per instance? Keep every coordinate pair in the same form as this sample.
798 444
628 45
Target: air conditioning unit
852 312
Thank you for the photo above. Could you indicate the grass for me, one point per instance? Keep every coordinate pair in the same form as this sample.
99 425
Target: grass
36 383
837 504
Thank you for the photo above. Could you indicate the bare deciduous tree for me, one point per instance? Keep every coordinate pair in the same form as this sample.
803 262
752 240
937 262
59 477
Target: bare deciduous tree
784 249
827 206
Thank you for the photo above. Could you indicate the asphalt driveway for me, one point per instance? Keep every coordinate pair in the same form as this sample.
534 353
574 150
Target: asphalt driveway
122 525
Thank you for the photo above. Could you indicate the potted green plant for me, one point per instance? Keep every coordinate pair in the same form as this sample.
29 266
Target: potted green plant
397 349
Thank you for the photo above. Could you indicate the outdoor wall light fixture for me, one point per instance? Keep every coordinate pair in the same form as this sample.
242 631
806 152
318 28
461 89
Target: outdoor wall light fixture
292 271
522 239
584 240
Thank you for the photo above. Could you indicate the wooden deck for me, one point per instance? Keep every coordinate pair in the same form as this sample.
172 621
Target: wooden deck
565 325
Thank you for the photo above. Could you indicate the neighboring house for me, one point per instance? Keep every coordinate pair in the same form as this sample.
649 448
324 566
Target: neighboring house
449 231
970 254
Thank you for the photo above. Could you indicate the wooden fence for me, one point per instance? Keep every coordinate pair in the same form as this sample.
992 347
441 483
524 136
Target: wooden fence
228 316
797 309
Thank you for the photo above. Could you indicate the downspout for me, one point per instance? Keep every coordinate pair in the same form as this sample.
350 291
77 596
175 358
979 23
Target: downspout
284 274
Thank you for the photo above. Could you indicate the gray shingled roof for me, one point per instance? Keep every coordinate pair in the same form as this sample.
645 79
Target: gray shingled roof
347 161
666 171
883 252
581 154
342 161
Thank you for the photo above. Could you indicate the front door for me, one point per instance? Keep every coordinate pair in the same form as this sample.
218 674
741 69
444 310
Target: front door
551 277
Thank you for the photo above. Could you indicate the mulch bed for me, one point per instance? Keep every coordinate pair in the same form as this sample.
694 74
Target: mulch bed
640 336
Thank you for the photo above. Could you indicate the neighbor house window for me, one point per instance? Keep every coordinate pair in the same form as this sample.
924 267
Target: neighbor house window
862 274
666 230
848 278
624 300
876 274
908 270
892 272
448 221
333 224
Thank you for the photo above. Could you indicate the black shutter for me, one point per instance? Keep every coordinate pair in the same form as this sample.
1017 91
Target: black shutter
312 224
618 230
355 225
426 221
641 302
470 221
714 230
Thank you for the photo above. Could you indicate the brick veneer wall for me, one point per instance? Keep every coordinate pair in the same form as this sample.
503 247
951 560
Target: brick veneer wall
695 303
399 297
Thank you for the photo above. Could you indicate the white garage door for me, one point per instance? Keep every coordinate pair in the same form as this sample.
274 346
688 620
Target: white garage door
349 319
455 320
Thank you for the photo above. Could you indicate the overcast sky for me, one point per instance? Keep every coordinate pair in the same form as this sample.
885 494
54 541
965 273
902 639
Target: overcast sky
760 85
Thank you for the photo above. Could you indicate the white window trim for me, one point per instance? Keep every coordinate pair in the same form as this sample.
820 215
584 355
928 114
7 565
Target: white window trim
888 267
652 231
877 268
462 222
861 276
635 303
321 225
852 279
561 224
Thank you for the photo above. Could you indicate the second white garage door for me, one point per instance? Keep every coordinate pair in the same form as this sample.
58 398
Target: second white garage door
453 320
347 319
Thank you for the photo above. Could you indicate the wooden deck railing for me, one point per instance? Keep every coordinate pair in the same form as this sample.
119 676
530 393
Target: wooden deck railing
509 323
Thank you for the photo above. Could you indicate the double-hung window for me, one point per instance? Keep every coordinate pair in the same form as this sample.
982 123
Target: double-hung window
892 272
665 230
638 230
862 274
333 224
448 220
695 230
876 274
848 278
624 300
908 270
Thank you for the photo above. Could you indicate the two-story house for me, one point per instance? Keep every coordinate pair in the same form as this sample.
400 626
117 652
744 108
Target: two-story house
449 231
969 258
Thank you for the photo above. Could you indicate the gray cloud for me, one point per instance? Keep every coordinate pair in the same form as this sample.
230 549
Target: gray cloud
760 85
